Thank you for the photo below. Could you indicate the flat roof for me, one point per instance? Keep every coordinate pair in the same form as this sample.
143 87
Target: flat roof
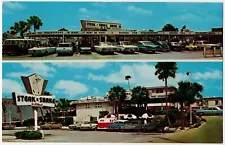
96 21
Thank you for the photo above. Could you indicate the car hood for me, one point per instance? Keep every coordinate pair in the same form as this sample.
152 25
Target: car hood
129 46
85 48
151 45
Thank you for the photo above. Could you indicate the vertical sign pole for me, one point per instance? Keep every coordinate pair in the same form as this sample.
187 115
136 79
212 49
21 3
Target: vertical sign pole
35 118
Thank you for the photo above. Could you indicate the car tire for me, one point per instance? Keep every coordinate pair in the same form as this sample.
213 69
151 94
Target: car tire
153 51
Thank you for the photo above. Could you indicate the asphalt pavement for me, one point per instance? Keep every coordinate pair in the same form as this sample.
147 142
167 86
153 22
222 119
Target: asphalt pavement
172 55
86 136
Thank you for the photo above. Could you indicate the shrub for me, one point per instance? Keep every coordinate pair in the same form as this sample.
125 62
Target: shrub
28 135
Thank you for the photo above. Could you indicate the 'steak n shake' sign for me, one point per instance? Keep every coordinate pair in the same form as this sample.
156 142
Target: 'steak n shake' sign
21 99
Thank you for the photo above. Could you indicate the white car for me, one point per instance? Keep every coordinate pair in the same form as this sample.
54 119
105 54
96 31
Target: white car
40 51
105 47
64 49
125 46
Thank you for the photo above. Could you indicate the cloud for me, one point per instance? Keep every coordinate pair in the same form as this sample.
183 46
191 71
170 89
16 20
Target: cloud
40 68
81 65
138 10
96 91
14 5
144 74
10 86
215 74
187 16
69 88
83 10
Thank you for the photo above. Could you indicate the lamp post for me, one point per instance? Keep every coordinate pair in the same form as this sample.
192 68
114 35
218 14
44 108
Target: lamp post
189 74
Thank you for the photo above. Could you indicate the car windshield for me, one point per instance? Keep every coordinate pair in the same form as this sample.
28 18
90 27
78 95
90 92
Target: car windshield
147 43
125 43
64 45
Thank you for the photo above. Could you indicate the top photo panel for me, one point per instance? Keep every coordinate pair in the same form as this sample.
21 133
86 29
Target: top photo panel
112 31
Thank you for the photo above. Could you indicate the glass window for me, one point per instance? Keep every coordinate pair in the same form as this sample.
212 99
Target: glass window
216 102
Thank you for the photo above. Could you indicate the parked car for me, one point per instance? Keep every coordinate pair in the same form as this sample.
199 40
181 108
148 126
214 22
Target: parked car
105 47
125 46
148 46
156 125
204 44
164 45
8 127
136 125
51 126
74 126
64 49
88 125
117 125
175 46
192 47
85 49
212 110
40 51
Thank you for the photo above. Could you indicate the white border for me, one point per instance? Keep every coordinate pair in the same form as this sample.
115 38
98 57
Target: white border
208 1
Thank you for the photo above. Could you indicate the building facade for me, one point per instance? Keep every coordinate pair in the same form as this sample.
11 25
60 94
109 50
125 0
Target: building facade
210 101
88 25
89 108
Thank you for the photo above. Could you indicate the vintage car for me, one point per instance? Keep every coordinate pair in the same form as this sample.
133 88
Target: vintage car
164 45
125 46
148 46
135 125
155 125
64 49
204 44
18 46
210 110
74 126
105 47
192 47
117 125
41 51
85 49
175 46
8 127
51 126
88 125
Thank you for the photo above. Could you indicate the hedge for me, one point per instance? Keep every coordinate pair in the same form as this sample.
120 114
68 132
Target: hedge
28 135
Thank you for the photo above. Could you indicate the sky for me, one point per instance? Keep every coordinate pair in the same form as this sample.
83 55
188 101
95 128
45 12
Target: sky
78 80
132 15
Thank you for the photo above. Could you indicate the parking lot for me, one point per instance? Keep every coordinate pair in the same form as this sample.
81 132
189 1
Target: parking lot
184 55
87 136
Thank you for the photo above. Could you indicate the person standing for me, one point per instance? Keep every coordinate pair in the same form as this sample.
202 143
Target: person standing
78 46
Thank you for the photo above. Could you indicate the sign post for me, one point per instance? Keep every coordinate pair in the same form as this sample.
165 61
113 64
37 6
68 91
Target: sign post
35 87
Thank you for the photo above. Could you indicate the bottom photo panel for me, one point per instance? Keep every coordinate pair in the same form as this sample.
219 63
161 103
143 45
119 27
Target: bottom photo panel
112 102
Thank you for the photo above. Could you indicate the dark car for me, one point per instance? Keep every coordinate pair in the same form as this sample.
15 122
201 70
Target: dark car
155 125
133 126
148 46
175 46
164 45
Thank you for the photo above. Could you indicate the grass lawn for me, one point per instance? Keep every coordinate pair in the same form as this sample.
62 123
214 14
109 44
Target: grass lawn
210 132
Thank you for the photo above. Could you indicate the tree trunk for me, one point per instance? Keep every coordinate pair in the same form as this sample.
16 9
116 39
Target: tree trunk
167 113
51 115
182 118
21 35
137 111
117 111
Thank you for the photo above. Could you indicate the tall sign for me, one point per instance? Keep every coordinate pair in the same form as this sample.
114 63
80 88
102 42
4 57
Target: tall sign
35 88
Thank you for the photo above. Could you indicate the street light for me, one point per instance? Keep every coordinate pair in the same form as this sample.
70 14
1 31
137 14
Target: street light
189 74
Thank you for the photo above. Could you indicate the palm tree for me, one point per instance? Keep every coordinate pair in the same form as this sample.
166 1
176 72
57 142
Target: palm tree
35 21
164 70
128 78
186 93
117 95
139 97
63 105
